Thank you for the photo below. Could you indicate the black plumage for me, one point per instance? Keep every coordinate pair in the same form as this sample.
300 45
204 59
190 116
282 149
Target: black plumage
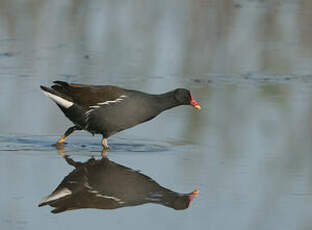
110 109
104 184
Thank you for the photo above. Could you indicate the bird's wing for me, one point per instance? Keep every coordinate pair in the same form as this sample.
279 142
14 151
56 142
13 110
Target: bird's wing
88 95
95 112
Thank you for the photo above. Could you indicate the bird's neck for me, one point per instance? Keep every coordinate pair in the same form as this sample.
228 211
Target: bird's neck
164 196
166 101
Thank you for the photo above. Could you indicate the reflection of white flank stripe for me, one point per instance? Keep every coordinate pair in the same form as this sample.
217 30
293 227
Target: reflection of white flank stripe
60 101
98 194
110 197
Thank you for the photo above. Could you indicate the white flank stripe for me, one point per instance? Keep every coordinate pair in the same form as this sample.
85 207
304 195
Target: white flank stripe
119 99
60 101
94 106
98 105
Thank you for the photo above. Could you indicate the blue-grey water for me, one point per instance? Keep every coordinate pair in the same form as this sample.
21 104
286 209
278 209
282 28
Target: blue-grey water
248 151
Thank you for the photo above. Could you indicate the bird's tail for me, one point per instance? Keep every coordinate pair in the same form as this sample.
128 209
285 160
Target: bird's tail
57 97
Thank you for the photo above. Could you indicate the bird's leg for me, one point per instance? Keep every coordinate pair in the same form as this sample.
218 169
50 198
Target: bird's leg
104 143
67 133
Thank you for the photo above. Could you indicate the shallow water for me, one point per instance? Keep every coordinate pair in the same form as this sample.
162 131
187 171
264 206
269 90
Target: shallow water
248 150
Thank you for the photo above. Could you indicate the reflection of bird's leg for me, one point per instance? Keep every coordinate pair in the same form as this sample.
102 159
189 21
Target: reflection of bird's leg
60 149
66 157
72 162
67 133
104 153
104 143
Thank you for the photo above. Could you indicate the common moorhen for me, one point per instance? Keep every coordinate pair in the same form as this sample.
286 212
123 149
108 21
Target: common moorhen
110 109
104 184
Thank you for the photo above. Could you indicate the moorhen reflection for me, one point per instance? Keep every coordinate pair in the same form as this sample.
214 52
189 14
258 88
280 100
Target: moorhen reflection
104 184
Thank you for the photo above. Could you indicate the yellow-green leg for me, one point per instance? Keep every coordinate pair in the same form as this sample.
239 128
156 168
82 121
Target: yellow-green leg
67 133
104 143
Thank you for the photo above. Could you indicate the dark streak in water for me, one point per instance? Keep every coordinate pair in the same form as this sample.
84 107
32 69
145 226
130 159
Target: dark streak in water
8 54
252 79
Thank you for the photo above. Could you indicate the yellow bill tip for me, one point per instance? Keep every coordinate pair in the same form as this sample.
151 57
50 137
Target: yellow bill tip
197 107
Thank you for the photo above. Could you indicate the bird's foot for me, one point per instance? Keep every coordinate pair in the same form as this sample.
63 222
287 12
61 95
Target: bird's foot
61 140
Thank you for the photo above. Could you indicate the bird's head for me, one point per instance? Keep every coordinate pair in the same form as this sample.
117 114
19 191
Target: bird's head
183 201
184 97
